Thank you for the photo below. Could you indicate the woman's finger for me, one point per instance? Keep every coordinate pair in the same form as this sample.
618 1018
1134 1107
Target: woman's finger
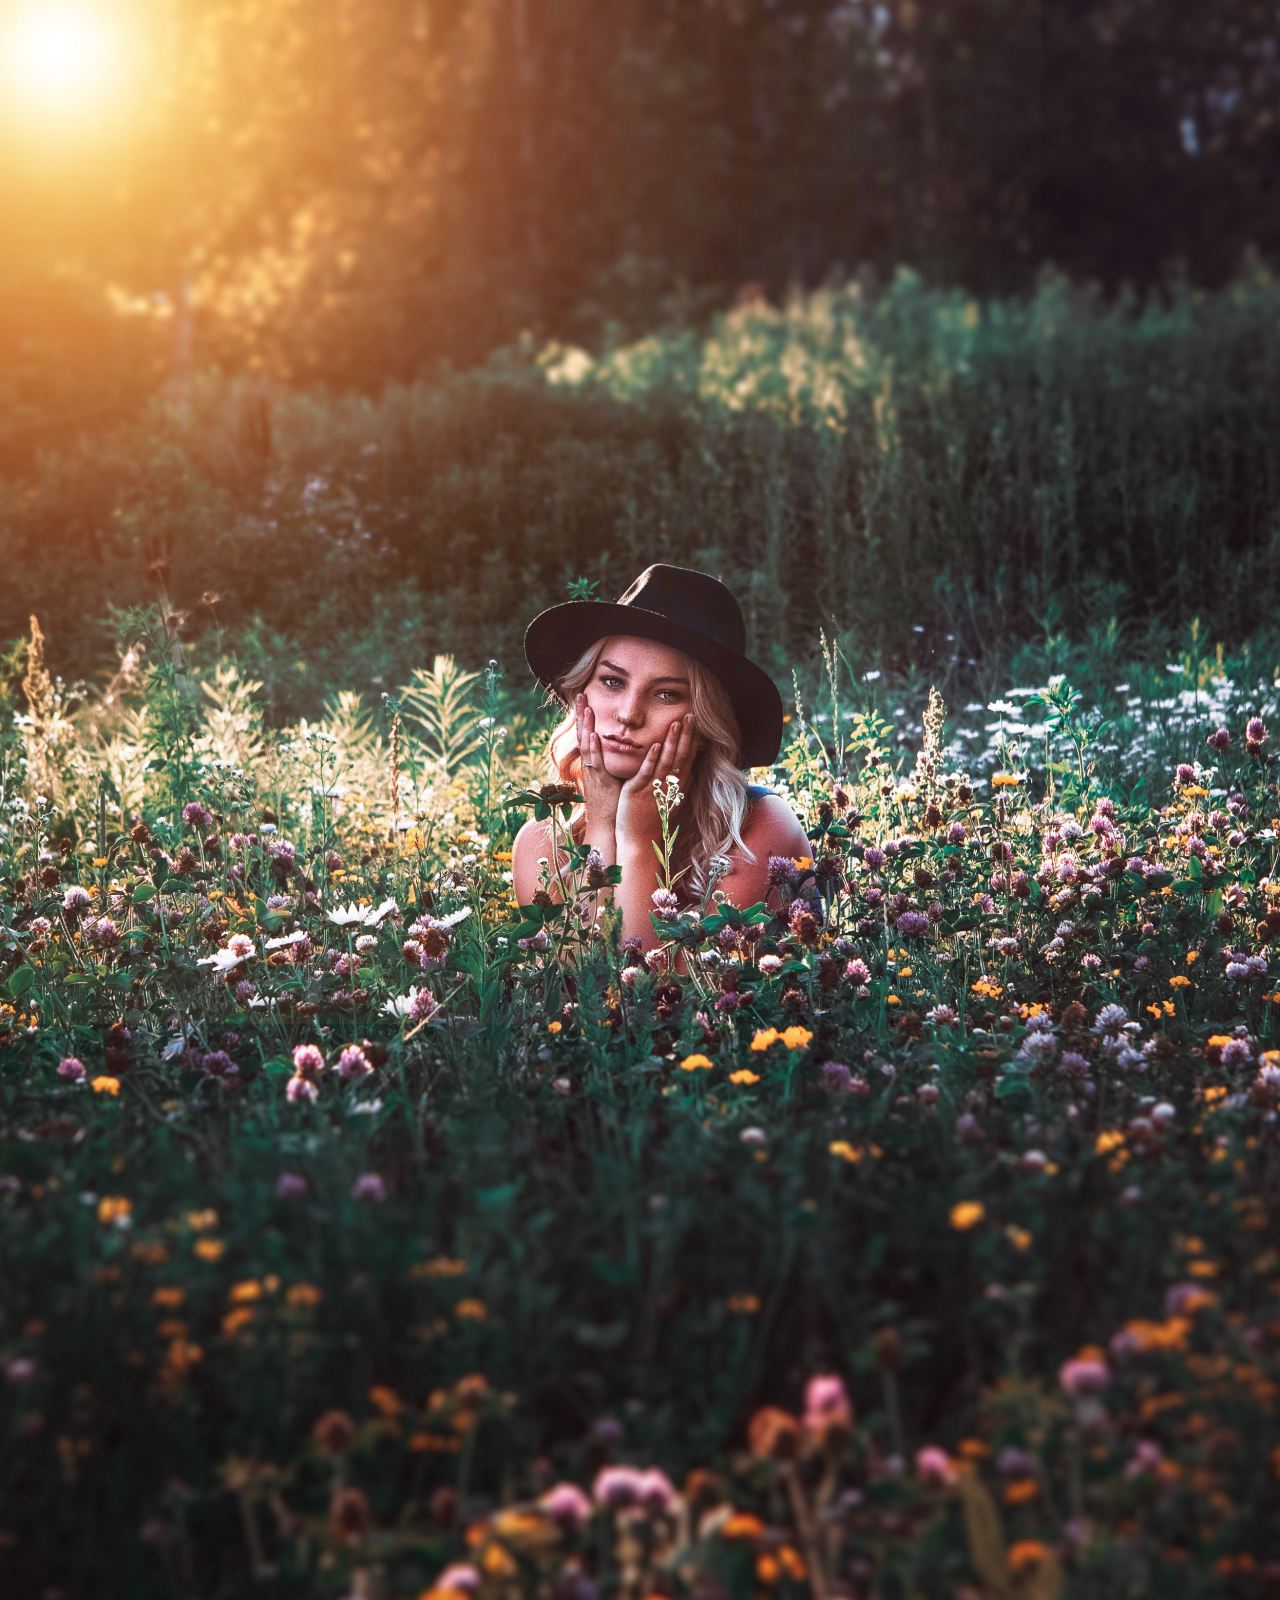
684 746
671 747
648 766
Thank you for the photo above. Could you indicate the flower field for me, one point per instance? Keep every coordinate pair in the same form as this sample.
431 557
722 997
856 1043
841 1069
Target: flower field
364 1233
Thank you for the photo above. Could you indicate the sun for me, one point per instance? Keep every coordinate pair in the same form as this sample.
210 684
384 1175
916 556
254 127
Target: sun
62 59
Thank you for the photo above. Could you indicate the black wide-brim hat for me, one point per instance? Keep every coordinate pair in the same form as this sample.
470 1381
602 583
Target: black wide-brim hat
678 606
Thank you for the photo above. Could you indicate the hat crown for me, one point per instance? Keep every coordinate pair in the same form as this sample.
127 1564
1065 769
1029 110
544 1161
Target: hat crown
693 599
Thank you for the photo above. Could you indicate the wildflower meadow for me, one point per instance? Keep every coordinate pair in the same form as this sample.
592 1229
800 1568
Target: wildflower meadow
363 1232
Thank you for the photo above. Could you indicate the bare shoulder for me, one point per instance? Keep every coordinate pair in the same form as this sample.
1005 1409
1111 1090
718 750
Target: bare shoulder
773 829
530 845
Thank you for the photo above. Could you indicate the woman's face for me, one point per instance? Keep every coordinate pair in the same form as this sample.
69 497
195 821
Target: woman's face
639 687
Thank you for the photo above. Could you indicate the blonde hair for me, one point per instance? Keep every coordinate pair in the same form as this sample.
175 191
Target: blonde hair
714 807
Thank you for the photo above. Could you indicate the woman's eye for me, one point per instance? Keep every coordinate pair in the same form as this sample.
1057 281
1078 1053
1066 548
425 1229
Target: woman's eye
671 696
608 680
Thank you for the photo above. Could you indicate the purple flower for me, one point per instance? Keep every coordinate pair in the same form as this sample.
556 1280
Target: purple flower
71 1068
461 1575
353 1064
1185 773
1111 1019
423 1005
102 934
566 1503
911 924
782 869
1255 730
291 1186
874 856
368 1186
956 833
1084 1376
308 1060
836 1076
1015 1463
195 815
300 1090
826 1404
1220 739
75 900
218 1064
1147 1456
617 1486
934 1465
657 1492
857 971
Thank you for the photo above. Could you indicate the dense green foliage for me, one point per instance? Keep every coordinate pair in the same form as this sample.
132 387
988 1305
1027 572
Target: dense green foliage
348 195
991 1153
995 471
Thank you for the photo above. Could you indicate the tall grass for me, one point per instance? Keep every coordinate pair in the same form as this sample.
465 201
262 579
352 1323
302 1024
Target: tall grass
995 470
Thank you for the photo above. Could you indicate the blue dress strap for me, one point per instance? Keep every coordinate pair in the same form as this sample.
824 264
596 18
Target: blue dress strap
755 790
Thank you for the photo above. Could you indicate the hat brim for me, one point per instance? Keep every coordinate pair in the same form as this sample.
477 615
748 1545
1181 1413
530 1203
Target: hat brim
555 639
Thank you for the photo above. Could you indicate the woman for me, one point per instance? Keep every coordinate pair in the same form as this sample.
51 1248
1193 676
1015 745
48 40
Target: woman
658 685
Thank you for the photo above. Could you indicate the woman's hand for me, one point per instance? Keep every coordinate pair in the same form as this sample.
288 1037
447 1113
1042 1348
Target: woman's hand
600 789
638 823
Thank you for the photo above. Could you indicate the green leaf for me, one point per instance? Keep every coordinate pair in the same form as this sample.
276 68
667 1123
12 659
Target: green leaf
144 891
119 981
20 981
175 886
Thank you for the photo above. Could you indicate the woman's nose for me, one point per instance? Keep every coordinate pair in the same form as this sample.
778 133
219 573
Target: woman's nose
630 716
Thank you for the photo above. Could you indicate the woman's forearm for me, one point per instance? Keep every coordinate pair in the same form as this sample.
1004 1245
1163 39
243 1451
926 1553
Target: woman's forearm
634 895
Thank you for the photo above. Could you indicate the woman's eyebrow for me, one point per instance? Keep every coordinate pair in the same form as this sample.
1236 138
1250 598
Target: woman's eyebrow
613 667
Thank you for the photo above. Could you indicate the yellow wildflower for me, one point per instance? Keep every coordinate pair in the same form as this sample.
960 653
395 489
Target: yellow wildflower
1179 981
695 1063
105 1085
387 1401
744 1075
112 1207
796 1038
845 1150
764 1037
554 1027
208 1249
967 1214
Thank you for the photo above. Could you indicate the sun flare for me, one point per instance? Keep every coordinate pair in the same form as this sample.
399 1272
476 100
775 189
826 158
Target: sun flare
62 59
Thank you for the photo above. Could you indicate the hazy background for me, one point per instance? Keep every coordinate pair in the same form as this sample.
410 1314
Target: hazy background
287 289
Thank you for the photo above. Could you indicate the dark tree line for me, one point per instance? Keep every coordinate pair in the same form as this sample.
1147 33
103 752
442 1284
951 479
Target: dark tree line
345 192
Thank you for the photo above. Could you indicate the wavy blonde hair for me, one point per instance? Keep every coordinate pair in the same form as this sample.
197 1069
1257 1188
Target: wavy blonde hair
714 807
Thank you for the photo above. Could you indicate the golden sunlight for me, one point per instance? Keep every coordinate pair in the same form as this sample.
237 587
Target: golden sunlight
63 60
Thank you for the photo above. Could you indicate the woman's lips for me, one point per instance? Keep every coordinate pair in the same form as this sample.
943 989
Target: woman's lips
622 745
